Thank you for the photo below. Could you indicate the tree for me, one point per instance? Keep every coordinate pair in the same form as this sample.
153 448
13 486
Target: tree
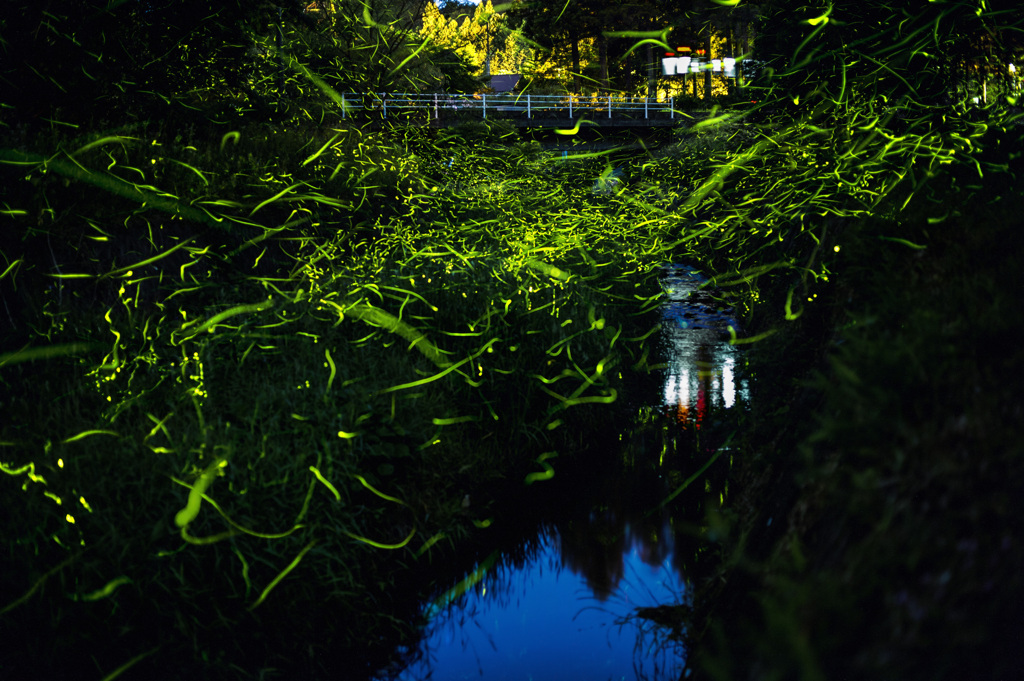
482 38
448 34
832 53
552 24
383 38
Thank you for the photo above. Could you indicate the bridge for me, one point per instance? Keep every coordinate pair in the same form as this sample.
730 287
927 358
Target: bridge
524 110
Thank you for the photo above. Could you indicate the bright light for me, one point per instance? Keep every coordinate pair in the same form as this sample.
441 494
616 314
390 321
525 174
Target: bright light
672 66
728 383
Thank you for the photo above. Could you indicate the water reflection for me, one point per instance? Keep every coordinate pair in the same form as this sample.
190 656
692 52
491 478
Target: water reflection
618 525
564 604
701 376
544 620
596 552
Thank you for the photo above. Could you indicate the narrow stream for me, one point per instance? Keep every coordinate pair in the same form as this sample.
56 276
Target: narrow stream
579 598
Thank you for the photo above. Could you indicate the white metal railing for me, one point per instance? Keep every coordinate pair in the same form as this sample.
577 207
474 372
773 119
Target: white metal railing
519 105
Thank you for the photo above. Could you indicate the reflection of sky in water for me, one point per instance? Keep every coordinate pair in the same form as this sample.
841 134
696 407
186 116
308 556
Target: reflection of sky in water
544 622
701 372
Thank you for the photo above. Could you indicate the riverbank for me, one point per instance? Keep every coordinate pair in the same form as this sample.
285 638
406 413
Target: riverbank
875 528
249 423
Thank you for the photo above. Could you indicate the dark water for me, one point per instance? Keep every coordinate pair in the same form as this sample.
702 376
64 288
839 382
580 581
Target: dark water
577 599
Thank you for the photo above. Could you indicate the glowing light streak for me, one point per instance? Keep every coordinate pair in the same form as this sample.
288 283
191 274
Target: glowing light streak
282 575
904 242
30 354
237 528
321 150
39 582
275 197
409 293
453 420
380 494
746 276
211 324
700 471
334 370
410 57
381 545
196 493
430 542
547 474
234 137
734 340
654 329
143 194
463 586
104 591
130 663
790 315
114 139
89 433
245 570
13 266
327 483
377 317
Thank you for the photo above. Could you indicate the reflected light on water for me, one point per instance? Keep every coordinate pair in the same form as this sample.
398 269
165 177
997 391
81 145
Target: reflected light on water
728 383
701 372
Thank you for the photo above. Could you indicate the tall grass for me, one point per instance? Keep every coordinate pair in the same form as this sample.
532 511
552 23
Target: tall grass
260 403
251 371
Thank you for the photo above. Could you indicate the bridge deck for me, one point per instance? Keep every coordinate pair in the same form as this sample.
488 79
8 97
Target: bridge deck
598 122
524 110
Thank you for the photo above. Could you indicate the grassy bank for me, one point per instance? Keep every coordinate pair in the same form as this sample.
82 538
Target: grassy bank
876 531
258 388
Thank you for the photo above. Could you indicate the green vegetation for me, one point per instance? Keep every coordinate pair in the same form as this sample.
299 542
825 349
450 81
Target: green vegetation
873 530
249 421
878 531
256 355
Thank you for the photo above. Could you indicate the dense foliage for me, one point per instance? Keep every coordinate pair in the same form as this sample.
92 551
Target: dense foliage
260 348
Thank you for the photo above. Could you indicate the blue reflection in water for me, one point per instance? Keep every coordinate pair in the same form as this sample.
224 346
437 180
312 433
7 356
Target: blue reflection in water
543 621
